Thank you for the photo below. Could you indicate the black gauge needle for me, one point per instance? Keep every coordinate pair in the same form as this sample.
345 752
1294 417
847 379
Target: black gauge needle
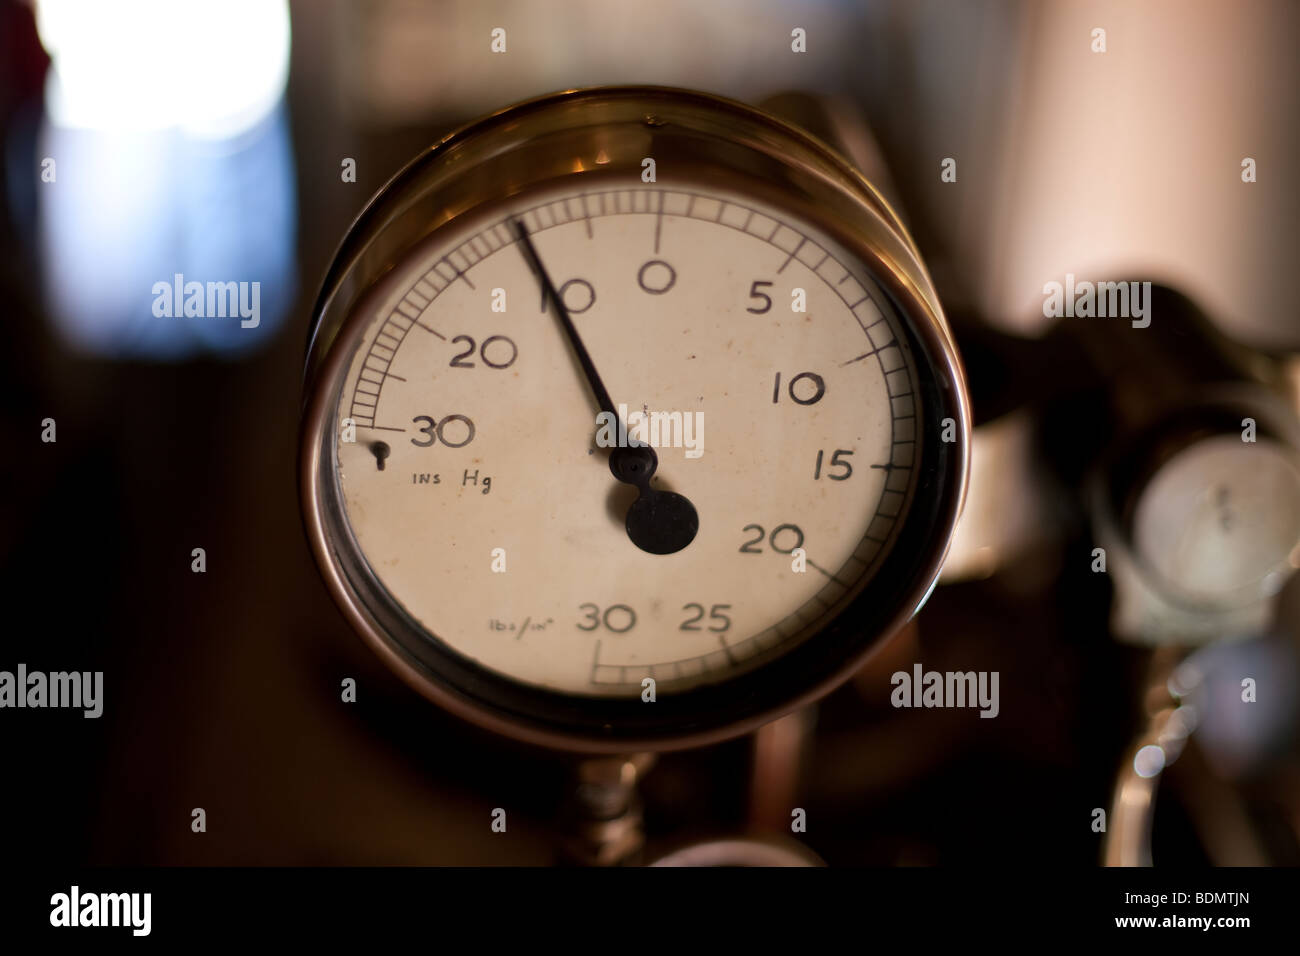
659 522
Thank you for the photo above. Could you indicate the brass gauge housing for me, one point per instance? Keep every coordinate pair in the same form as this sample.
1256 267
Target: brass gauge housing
715 263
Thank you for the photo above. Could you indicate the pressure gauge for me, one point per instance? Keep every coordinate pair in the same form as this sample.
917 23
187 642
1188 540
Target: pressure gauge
1221 521
1199 515
632 421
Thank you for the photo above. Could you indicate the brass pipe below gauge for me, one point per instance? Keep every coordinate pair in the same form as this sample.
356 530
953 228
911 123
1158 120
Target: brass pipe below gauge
779 749
602 819
1132 810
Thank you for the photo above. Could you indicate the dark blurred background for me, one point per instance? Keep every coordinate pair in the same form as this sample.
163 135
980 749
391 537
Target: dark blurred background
207 138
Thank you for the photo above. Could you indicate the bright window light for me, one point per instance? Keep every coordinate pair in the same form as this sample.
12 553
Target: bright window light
212 68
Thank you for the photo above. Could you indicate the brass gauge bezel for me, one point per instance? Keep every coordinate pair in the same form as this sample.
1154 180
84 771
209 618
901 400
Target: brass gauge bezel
584 138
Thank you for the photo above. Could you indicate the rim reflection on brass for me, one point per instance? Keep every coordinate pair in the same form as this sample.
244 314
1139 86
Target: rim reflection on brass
742 851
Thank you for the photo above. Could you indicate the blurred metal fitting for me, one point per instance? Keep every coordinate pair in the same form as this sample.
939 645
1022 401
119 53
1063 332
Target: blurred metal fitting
603 821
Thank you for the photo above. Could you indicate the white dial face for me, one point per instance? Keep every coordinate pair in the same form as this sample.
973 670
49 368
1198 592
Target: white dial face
759 360
1220 518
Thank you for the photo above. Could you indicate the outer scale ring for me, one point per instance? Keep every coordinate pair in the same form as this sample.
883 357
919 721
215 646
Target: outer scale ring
551 141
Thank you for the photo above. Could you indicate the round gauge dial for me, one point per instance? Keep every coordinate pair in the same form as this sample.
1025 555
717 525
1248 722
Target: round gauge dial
632 420
1220 521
